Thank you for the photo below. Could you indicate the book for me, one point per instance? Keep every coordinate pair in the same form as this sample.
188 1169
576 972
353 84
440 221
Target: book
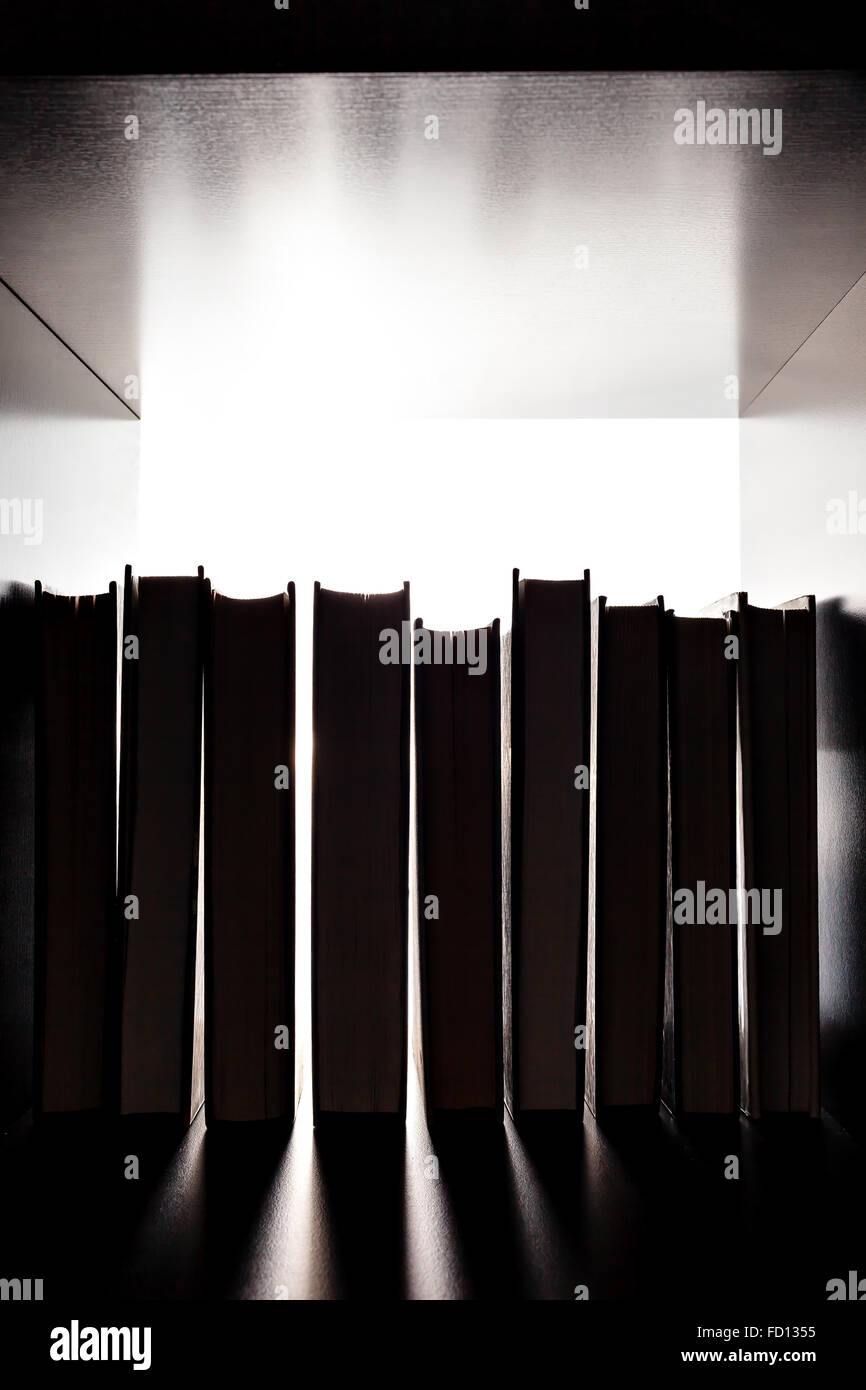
250 1044
360 832
17 849
546 733
804 1089
76 830
777 854
160 895
628 856
700 1062
458 823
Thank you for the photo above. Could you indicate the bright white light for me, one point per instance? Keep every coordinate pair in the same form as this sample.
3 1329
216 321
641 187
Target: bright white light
650 506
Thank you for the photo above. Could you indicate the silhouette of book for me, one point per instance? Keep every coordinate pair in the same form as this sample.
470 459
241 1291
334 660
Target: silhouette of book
360 852
545 733
628 856
250 859
777 832
17 849
459 868
160 896
76 825
700 1041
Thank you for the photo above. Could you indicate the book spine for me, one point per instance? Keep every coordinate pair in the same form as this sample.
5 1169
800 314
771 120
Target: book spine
596 856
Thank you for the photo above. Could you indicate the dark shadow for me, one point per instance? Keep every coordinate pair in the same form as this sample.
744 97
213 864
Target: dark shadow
476 1172
240 1165
361 1162
548 1159
628 1210
724 1206
68 1208
160 1239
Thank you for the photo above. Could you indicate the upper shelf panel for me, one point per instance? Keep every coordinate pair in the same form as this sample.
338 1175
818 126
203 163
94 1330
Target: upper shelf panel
454 245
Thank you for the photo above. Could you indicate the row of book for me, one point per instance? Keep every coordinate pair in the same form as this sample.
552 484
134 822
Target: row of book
612 868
